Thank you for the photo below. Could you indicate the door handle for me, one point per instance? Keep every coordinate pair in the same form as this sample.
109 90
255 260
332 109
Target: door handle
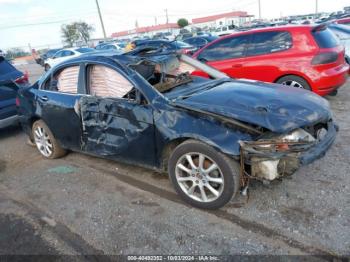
43 98
237 66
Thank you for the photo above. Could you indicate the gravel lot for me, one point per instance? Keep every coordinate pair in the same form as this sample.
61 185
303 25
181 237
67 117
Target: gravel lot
84 205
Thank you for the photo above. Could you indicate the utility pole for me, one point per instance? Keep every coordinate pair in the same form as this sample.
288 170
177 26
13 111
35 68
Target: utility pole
102 25
166 15
259 2
316 7
155 20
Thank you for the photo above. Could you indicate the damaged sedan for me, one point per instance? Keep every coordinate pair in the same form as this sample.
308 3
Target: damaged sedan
212 136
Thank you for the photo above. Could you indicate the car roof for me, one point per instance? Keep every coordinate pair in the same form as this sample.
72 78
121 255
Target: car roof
270 28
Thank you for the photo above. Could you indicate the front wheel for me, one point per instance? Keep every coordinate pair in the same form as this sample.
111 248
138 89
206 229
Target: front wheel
202 176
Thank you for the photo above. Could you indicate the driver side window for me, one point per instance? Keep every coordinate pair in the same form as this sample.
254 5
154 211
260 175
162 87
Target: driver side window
107 82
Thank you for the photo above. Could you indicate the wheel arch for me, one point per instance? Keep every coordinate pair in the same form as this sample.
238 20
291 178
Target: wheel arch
297 74
173 143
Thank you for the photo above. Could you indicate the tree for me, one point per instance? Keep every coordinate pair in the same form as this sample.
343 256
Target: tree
77 31
84 30
15 52
182 22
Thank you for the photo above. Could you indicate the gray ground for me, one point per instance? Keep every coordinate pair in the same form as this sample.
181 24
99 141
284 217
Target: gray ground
84 205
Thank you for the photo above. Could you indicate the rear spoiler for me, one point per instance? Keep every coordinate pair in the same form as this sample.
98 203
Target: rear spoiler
320 27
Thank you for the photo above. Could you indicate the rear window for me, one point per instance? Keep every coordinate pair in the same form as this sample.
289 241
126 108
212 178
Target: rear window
325 38
5 67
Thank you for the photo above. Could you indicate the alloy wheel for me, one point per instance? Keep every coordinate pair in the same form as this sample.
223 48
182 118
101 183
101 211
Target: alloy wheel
199 177
43 142
293 83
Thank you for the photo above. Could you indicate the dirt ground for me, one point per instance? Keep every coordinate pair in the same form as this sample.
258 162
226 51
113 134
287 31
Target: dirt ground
84 205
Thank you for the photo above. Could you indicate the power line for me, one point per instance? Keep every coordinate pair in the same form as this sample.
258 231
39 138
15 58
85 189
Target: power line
59 18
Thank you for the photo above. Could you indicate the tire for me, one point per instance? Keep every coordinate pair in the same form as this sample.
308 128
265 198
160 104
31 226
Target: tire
46 142
194 181
47 67
294 81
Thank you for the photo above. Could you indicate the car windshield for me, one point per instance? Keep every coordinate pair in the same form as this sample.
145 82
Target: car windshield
171 74
85 50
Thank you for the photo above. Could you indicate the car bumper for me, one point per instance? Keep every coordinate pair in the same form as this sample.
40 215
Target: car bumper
320 149
330 80
8 121
275 158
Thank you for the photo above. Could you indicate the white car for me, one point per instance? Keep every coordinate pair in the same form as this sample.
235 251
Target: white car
113 46
64 55
224 30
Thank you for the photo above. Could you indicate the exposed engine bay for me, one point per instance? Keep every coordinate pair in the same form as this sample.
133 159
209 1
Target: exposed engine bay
270 158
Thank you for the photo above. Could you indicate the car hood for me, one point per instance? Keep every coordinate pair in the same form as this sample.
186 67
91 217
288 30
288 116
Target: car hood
275 107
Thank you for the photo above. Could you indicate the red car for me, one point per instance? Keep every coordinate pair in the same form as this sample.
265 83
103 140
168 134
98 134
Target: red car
344 21
303 56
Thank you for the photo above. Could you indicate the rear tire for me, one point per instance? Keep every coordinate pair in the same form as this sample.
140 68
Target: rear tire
46 142
202 176
294 81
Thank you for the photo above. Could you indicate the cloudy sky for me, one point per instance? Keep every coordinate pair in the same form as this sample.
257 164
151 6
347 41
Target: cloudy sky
38 22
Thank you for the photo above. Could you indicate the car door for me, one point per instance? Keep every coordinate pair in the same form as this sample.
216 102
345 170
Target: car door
227 55
57 100
117 122
266 55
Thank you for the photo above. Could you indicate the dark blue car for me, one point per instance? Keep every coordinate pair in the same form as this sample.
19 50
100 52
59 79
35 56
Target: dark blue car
210 135
10 80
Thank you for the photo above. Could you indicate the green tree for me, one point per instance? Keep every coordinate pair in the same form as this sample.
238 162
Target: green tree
15 52
76 31
84 30
182 22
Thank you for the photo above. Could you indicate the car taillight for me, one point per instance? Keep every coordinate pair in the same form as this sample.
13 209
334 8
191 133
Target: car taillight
18 103
23 79
325 58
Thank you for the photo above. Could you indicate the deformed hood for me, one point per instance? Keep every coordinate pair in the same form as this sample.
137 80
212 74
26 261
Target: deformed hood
275 107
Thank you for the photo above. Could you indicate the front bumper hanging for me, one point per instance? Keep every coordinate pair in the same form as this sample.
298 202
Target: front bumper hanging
275 158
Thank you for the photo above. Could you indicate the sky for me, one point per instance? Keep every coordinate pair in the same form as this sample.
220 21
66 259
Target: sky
38 22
